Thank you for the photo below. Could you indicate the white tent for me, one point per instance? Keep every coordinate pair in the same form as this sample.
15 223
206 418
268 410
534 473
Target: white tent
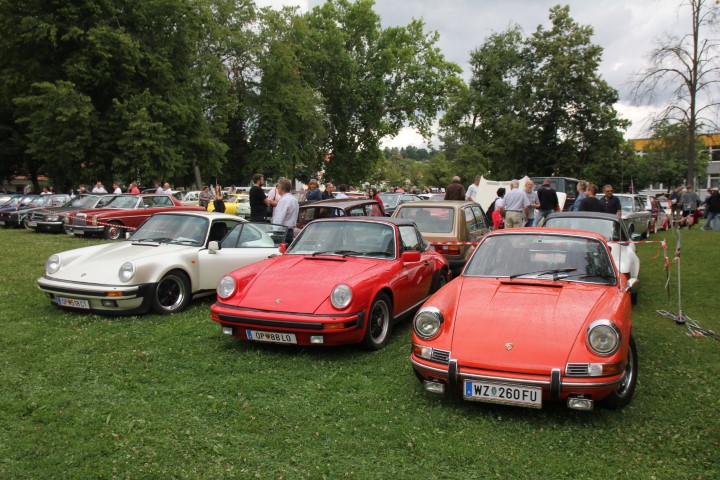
487 191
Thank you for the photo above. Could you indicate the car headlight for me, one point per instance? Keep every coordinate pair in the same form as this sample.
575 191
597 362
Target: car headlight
53 264
52 218
341 296
427 322
126 272
603 337
226 287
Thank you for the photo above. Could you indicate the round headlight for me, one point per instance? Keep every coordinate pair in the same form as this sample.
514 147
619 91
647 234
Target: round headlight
226 286
603 337
52 264
126 272
427 322
341 296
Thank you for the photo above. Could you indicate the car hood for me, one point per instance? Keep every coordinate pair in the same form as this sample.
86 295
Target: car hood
522 326
100 263
302 283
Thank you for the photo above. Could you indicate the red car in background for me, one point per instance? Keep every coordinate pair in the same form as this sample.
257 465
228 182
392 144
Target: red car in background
123 213
343 280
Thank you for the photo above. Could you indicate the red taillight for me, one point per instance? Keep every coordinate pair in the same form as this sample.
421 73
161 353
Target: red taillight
448 249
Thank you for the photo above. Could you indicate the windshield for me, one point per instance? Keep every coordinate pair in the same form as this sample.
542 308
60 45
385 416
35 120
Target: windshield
626 203
429 219
7 200
178 229
555 257
123 202
607 228
86 201
346 238
389 200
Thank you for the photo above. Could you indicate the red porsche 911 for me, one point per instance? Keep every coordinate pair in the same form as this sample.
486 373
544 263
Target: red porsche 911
343 280
537 315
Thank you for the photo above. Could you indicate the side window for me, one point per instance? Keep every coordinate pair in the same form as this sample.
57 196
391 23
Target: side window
479 217
163 202
373 210
470 219
571 188
410 239
356 212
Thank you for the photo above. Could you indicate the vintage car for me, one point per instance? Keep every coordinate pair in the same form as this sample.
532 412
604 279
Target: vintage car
659 219
51 219
342 281
333 208
613 229
122 214
172 257
9 199
18 215
450 225
637 219
537 315
235 204
391 200
191 198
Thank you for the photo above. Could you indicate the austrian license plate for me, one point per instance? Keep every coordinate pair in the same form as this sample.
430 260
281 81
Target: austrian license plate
79 232
72 302
32 224
274 337
502 393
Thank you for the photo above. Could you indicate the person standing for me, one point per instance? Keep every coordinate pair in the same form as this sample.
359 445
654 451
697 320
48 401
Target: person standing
99 188
116 188
689 203
327 194
472 190
219 200
581 190
205 197
133 188
548 200
533 199
610 202
712 208
313 193
455 191
496 212
342 188
516 206
374 196
166 189
286 210
591 203
258 208
158 188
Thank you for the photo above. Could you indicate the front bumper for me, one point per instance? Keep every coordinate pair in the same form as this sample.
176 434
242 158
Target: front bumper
101 298
44 226
557 385
335 329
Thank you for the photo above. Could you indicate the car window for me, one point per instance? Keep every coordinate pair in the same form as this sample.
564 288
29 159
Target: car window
470 220
351 238
571 188
252 235
429 219
180 229
356 211
410 239
163 202
479 217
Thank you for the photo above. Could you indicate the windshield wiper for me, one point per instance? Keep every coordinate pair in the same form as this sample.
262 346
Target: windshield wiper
344 253
383 253
553 272
153 240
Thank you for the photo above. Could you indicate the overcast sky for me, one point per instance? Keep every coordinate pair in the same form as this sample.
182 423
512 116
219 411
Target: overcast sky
627 30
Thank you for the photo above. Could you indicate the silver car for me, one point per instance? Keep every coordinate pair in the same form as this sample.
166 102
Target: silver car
636 217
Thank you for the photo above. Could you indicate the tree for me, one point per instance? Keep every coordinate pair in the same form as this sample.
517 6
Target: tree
690 67
372 81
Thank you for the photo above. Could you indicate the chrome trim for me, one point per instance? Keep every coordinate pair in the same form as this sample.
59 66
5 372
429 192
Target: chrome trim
435 370
608 323
577 369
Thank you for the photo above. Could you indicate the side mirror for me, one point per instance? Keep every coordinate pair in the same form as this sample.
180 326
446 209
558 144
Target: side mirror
213 247
283 247
411 256
633 285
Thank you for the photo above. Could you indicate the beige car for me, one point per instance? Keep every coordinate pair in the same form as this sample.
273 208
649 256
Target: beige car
451 221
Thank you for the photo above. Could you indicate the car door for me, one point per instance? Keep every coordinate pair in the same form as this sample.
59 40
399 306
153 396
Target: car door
245 243
415 278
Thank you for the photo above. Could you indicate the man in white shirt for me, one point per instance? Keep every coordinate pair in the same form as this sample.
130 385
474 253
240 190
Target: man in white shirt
342 188
116 188
472 190
516 206
166 189
286 211
99 188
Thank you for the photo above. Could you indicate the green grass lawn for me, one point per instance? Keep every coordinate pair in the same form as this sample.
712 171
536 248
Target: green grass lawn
86 396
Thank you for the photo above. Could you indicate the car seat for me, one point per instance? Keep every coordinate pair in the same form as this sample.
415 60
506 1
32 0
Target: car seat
217 232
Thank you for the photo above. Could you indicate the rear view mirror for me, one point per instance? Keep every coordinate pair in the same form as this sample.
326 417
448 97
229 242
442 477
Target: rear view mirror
411 256
213 246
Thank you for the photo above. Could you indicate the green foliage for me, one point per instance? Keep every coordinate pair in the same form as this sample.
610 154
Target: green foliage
87 396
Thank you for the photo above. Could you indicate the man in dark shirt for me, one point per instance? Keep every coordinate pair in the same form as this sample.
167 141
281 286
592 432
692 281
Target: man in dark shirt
327 194
455 191
258 208
548 200
610 202
590 203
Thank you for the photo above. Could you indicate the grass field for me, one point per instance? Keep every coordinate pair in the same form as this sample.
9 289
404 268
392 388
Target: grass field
86 396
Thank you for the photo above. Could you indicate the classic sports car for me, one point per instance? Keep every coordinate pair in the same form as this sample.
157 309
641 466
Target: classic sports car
18 216
538 314
347 207
613 229
172 257
51 219
344 280
448 221
637 219
123 213
235 204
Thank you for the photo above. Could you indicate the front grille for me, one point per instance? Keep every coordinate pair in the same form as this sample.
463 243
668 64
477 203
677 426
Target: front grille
577 369
37 216
440 356
80 220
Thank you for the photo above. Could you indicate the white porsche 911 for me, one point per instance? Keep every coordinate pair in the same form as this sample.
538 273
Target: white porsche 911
167 261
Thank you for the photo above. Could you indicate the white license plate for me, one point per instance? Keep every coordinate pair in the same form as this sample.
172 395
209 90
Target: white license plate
2 223
502 393
32 224
72 302
79 232
273 337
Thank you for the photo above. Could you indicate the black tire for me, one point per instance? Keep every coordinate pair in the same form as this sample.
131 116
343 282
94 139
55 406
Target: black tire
379 323
24 223
440 281
113 231
624 392
634 298
171 294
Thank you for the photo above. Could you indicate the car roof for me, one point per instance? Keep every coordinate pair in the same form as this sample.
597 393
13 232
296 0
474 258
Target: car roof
201 213
388 220
598 215
546 231
339 202
438 203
